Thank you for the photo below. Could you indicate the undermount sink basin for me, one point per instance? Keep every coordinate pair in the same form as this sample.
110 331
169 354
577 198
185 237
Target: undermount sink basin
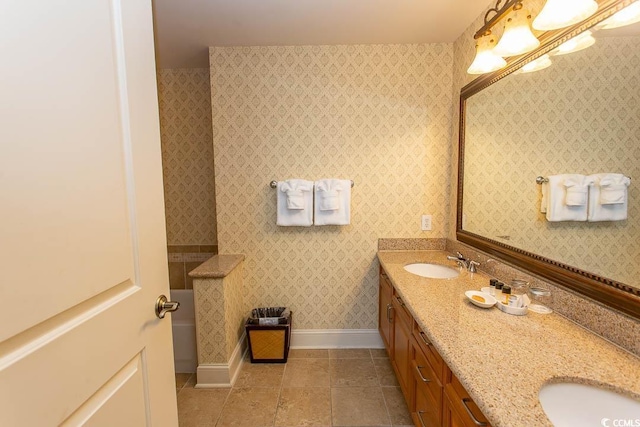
432 271
572 404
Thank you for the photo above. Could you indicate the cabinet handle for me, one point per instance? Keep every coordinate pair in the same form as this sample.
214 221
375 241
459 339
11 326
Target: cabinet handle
424 339
419 413
424 380
473 418
400 302
389 308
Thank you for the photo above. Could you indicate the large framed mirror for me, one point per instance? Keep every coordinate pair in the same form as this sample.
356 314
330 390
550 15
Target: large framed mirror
580 115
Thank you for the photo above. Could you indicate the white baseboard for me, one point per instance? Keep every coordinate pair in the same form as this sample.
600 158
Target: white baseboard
222 375
335 338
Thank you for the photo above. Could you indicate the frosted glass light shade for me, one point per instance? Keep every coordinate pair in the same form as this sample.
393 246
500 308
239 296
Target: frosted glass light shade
539 64
486 61
627 16
579 42
517 37
562 13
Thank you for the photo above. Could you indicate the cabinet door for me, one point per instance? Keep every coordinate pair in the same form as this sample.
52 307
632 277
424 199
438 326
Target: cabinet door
385 310
401 359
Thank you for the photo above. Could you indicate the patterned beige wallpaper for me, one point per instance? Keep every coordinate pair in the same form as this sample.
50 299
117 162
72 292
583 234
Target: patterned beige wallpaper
221 310
187 156
379 115
578 116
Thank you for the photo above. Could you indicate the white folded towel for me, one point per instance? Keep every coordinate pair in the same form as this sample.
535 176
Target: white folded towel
295 203
566 197
332 202
608 197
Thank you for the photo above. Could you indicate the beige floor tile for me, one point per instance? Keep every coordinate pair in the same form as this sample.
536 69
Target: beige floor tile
304 407
200 407
350 353
306 373
397 406
181 380
308 354
379 352
353 373
358 406
386 374
251 407
260 375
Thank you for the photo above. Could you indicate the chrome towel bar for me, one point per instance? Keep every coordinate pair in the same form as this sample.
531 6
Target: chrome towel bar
274 184
541 180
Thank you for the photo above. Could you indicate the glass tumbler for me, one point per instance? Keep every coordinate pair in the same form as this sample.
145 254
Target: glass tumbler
540 299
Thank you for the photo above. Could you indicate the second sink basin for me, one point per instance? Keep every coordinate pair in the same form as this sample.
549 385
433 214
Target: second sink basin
432 271
573 404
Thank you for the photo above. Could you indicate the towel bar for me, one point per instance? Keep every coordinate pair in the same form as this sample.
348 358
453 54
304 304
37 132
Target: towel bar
539 180
274 184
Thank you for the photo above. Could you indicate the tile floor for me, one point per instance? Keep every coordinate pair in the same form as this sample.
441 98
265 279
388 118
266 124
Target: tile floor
346 387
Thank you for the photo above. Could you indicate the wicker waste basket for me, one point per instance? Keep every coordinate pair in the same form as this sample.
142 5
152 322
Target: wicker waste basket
269 334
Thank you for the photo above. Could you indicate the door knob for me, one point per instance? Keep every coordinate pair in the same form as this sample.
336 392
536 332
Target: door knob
163 306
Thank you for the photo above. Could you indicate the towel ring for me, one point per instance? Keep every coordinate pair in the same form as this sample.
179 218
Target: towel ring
274 184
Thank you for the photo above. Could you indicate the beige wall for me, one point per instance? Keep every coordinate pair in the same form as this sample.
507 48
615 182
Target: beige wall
379 115
187 156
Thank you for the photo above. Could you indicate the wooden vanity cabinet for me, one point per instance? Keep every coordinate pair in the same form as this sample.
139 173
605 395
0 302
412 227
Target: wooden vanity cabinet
435 397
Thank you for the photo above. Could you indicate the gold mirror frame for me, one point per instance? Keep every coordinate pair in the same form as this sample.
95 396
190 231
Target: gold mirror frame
607 291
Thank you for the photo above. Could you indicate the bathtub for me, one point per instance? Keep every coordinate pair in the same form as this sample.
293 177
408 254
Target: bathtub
183 324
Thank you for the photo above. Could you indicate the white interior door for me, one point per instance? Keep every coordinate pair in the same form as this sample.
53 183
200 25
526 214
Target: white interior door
82 231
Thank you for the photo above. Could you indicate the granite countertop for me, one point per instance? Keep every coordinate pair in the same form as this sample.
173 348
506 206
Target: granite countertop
216 267
503 360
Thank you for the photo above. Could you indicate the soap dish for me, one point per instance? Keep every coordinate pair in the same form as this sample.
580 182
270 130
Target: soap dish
481 299
516 311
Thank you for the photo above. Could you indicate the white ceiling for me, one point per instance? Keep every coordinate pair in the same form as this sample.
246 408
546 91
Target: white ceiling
185 28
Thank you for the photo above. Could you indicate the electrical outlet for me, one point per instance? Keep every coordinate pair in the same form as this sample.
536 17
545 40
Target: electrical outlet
425 223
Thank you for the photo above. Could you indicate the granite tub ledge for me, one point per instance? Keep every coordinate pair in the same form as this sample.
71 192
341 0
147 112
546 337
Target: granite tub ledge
217 267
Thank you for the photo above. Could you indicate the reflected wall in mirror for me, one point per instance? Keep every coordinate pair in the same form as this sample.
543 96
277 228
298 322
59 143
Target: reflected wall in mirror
580 115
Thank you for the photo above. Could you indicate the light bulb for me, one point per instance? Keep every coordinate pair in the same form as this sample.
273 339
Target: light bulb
562 13
517 37
486 61
627 16
579 42
539 64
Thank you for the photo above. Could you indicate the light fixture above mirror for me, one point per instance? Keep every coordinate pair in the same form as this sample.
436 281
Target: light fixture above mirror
518 37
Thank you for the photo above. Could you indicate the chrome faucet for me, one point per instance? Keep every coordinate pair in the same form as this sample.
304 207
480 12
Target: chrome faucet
460 259
464 262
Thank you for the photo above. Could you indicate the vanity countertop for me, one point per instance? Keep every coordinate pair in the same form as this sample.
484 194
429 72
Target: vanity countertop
503 360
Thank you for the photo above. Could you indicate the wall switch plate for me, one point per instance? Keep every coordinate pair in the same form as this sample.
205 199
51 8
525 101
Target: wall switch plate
425 223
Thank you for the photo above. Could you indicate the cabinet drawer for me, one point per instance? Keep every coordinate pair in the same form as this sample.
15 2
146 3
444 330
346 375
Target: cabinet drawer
431 354
401 311
385 284
428 392
463 406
